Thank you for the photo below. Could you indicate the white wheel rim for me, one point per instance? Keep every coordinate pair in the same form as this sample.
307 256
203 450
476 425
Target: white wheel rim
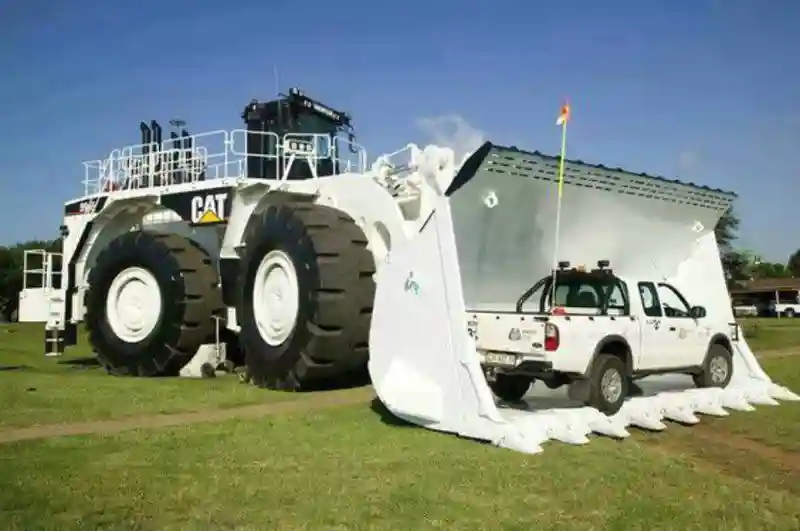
276 298
133 304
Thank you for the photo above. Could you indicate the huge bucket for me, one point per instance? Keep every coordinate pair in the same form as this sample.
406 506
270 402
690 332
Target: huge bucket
489 238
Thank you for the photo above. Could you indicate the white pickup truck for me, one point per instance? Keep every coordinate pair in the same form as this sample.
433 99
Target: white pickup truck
598 333
784 308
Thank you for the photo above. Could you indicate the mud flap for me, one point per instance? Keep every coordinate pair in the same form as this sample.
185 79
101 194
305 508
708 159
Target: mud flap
484 244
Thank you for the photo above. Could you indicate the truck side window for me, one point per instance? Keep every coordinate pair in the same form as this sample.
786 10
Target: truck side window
674 303
650 302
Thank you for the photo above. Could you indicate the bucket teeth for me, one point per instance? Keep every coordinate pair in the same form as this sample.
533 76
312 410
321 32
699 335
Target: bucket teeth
712 409
762 400
573 426
570 436
680 413
759 393
609 426
643 413
707 402
648 420
779 392
736 399
569 427
515 441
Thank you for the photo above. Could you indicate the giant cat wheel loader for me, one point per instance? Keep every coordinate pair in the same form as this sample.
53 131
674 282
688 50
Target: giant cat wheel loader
278 247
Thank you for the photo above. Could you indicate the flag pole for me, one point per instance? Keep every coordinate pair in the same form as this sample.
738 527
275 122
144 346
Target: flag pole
562 120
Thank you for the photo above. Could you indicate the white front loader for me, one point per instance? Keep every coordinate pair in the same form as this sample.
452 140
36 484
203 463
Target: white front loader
488 239
447 240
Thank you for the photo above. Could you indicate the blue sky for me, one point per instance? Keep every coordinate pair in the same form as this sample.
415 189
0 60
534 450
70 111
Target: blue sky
704 90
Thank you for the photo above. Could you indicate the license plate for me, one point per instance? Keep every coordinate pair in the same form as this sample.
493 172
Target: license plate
507 360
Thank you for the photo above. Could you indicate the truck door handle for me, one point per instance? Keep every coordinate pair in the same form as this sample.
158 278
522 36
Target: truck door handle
671 328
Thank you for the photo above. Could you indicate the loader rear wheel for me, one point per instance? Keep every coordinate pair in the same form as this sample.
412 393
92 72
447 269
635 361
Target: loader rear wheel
608 385
306 295
149 303
510 387
717 368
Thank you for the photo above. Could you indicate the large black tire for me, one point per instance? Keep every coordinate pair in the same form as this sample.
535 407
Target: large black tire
717 369
186 279
327 345
210 276
608 384
510 387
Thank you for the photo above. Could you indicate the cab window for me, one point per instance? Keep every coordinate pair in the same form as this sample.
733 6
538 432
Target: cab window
673 302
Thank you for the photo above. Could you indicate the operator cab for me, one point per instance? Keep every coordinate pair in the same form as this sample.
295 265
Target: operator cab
294 136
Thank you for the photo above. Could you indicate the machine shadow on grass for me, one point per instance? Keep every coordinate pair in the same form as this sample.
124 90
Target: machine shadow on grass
89 362
386 416
352 380
5 368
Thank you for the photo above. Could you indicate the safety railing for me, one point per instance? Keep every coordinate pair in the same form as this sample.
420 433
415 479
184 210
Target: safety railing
41 269
193 158
217 155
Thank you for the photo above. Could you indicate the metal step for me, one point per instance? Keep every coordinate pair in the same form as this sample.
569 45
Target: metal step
54 342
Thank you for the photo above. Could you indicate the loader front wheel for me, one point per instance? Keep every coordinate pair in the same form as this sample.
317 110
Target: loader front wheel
149 303
305 300
510 387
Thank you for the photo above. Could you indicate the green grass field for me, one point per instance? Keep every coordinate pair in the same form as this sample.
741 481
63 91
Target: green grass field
266 460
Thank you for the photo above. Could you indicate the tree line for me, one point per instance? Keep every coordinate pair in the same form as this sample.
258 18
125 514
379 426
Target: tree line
740 266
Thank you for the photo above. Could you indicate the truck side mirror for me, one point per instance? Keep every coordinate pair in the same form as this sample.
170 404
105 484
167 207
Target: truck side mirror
697 312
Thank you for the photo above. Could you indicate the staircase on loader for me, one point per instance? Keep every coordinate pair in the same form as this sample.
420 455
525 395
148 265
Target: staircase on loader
42 296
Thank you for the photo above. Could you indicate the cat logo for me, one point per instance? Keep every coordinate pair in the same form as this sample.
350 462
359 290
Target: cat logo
208 209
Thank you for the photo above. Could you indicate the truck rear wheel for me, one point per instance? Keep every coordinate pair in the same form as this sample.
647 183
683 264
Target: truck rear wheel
149 303
511 387
306 295
608 384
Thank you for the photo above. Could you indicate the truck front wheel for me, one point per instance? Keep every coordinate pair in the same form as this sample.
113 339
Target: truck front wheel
717 368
